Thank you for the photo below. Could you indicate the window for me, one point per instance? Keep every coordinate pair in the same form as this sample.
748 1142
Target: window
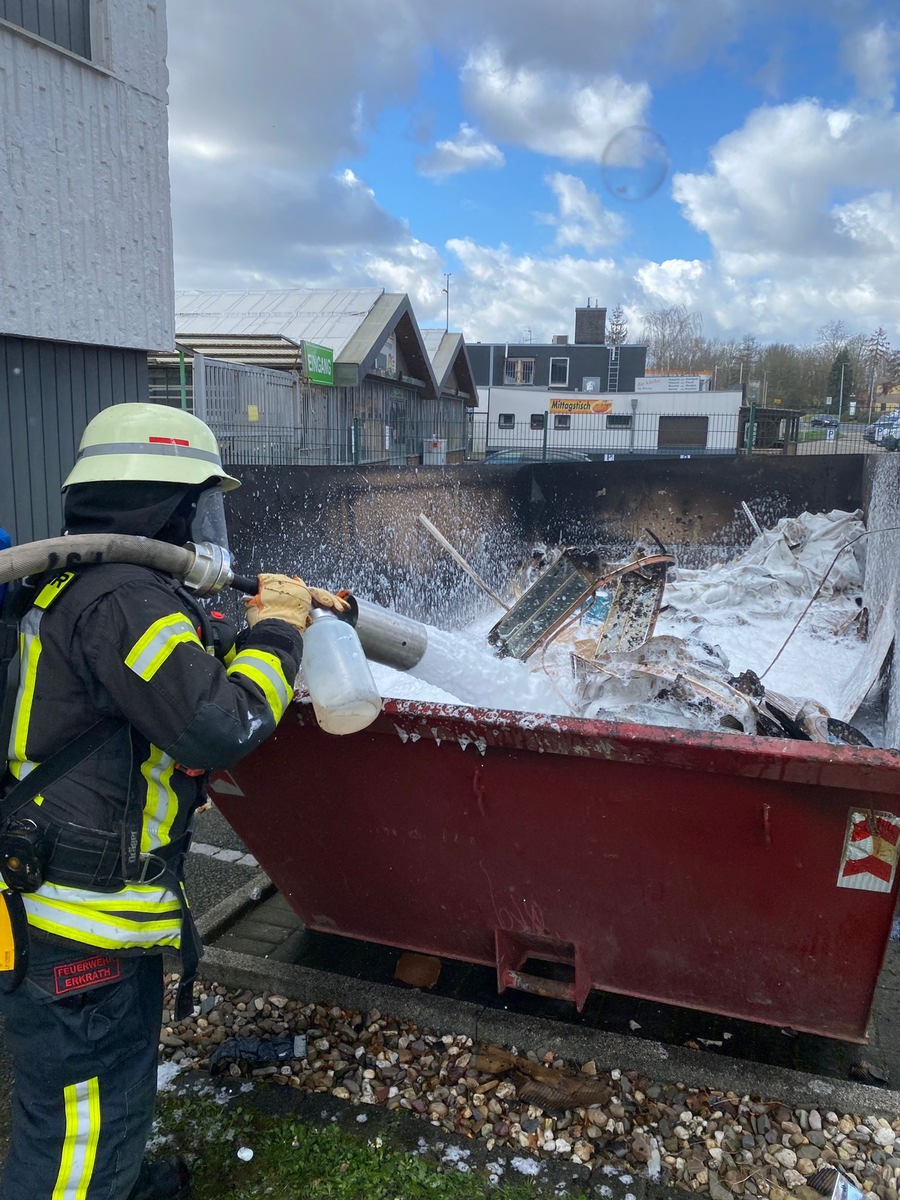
561 421
67 23
506 421
519 370
559 372
537 420
614 421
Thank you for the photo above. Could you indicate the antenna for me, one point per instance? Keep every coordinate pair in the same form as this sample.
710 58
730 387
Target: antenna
446 291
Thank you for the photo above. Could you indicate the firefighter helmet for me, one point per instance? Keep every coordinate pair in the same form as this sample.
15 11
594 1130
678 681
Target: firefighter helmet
148 442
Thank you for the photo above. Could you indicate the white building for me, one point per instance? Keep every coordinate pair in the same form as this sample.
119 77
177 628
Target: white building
609 424
86 274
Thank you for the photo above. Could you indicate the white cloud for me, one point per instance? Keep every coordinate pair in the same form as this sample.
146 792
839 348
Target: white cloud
468 151
582 219
549 110
873 56
766 201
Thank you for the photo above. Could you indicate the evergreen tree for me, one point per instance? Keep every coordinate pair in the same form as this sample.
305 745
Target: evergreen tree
841 372
617 329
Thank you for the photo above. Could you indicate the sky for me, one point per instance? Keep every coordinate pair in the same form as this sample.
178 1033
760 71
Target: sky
739 157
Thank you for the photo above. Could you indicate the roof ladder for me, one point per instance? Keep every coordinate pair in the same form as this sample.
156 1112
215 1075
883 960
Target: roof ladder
613 383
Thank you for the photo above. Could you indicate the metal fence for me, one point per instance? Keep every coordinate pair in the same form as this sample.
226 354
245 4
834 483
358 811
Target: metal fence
549 437
264 417
268 417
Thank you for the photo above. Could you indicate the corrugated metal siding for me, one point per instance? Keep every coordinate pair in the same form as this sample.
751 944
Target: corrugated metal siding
48 393
65 22
86 237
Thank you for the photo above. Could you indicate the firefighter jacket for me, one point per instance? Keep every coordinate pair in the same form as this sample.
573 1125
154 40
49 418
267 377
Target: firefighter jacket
123 641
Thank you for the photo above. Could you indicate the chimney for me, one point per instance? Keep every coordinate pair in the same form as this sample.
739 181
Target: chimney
590 326
559 339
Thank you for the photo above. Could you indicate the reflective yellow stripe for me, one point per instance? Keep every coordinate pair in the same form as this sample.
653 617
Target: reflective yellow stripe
83 925
265 671
29 654
102 919
138 897
79 1152
161 803
154 646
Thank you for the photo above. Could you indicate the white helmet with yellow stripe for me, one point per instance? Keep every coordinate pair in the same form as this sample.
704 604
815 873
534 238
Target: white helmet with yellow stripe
148 442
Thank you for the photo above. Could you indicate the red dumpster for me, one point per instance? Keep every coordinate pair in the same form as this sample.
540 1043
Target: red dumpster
750 877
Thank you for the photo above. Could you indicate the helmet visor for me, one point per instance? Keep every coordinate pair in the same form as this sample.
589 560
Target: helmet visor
209 523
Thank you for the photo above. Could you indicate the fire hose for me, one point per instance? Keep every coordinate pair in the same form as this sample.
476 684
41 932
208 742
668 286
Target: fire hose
386 637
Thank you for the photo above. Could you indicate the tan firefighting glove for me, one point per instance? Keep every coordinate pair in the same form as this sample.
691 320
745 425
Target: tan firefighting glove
290 600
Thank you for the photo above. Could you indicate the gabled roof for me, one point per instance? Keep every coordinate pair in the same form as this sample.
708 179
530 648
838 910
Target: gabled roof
354 323
448 353
391 313
321 315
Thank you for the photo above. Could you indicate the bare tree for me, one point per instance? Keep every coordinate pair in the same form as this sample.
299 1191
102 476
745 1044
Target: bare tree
832 337
876 355
674 338
617 329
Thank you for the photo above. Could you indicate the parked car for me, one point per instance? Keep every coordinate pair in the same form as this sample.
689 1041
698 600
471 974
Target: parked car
888 435
512 457
874 431
825 421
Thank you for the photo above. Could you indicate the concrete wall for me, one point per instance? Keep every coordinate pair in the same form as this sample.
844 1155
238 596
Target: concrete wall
358 527
882 500
86 238
693 506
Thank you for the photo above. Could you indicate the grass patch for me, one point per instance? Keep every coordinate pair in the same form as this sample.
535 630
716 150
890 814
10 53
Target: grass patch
297 1160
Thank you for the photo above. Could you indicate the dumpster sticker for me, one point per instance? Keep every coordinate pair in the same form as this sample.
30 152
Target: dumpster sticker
870 855
224 784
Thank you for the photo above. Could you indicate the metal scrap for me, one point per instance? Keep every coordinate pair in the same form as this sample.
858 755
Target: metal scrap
569 587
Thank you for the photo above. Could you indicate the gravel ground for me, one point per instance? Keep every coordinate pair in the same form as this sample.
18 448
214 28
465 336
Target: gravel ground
694 1139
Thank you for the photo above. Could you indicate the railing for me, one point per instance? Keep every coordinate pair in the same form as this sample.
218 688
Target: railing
355 442
368 441
548 438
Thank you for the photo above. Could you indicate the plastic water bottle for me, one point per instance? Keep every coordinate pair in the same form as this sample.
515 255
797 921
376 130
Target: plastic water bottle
337 674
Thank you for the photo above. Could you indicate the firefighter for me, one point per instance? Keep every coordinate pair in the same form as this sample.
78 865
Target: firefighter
96 858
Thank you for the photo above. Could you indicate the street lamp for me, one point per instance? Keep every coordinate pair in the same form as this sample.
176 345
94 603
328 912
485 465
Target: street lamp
841 397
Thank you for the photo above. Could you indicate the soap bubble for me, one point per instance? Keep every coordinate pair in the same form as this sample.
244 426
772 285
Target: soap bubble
635 163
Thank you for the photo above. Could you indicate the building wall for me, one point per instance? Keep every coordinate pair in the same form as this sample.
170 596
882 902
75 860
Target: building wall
48 393
585 362
590 325
86 238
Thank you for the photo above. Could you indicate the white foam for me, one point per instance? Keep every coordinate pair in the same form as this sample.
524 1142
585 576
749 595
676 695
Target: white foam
747 607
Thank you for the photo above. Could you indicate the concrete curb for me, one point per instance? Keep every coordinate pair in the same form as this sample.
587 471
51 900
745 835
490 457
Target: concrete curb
217 919
662 1064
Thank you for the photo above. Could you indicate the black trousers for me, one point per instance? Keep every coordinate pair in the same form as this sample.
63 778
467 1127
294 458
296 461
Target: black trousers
83 1034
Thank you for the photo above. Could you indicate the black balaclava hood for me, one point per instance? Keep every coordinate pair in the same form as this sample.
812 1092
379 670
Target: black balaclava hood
163 511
